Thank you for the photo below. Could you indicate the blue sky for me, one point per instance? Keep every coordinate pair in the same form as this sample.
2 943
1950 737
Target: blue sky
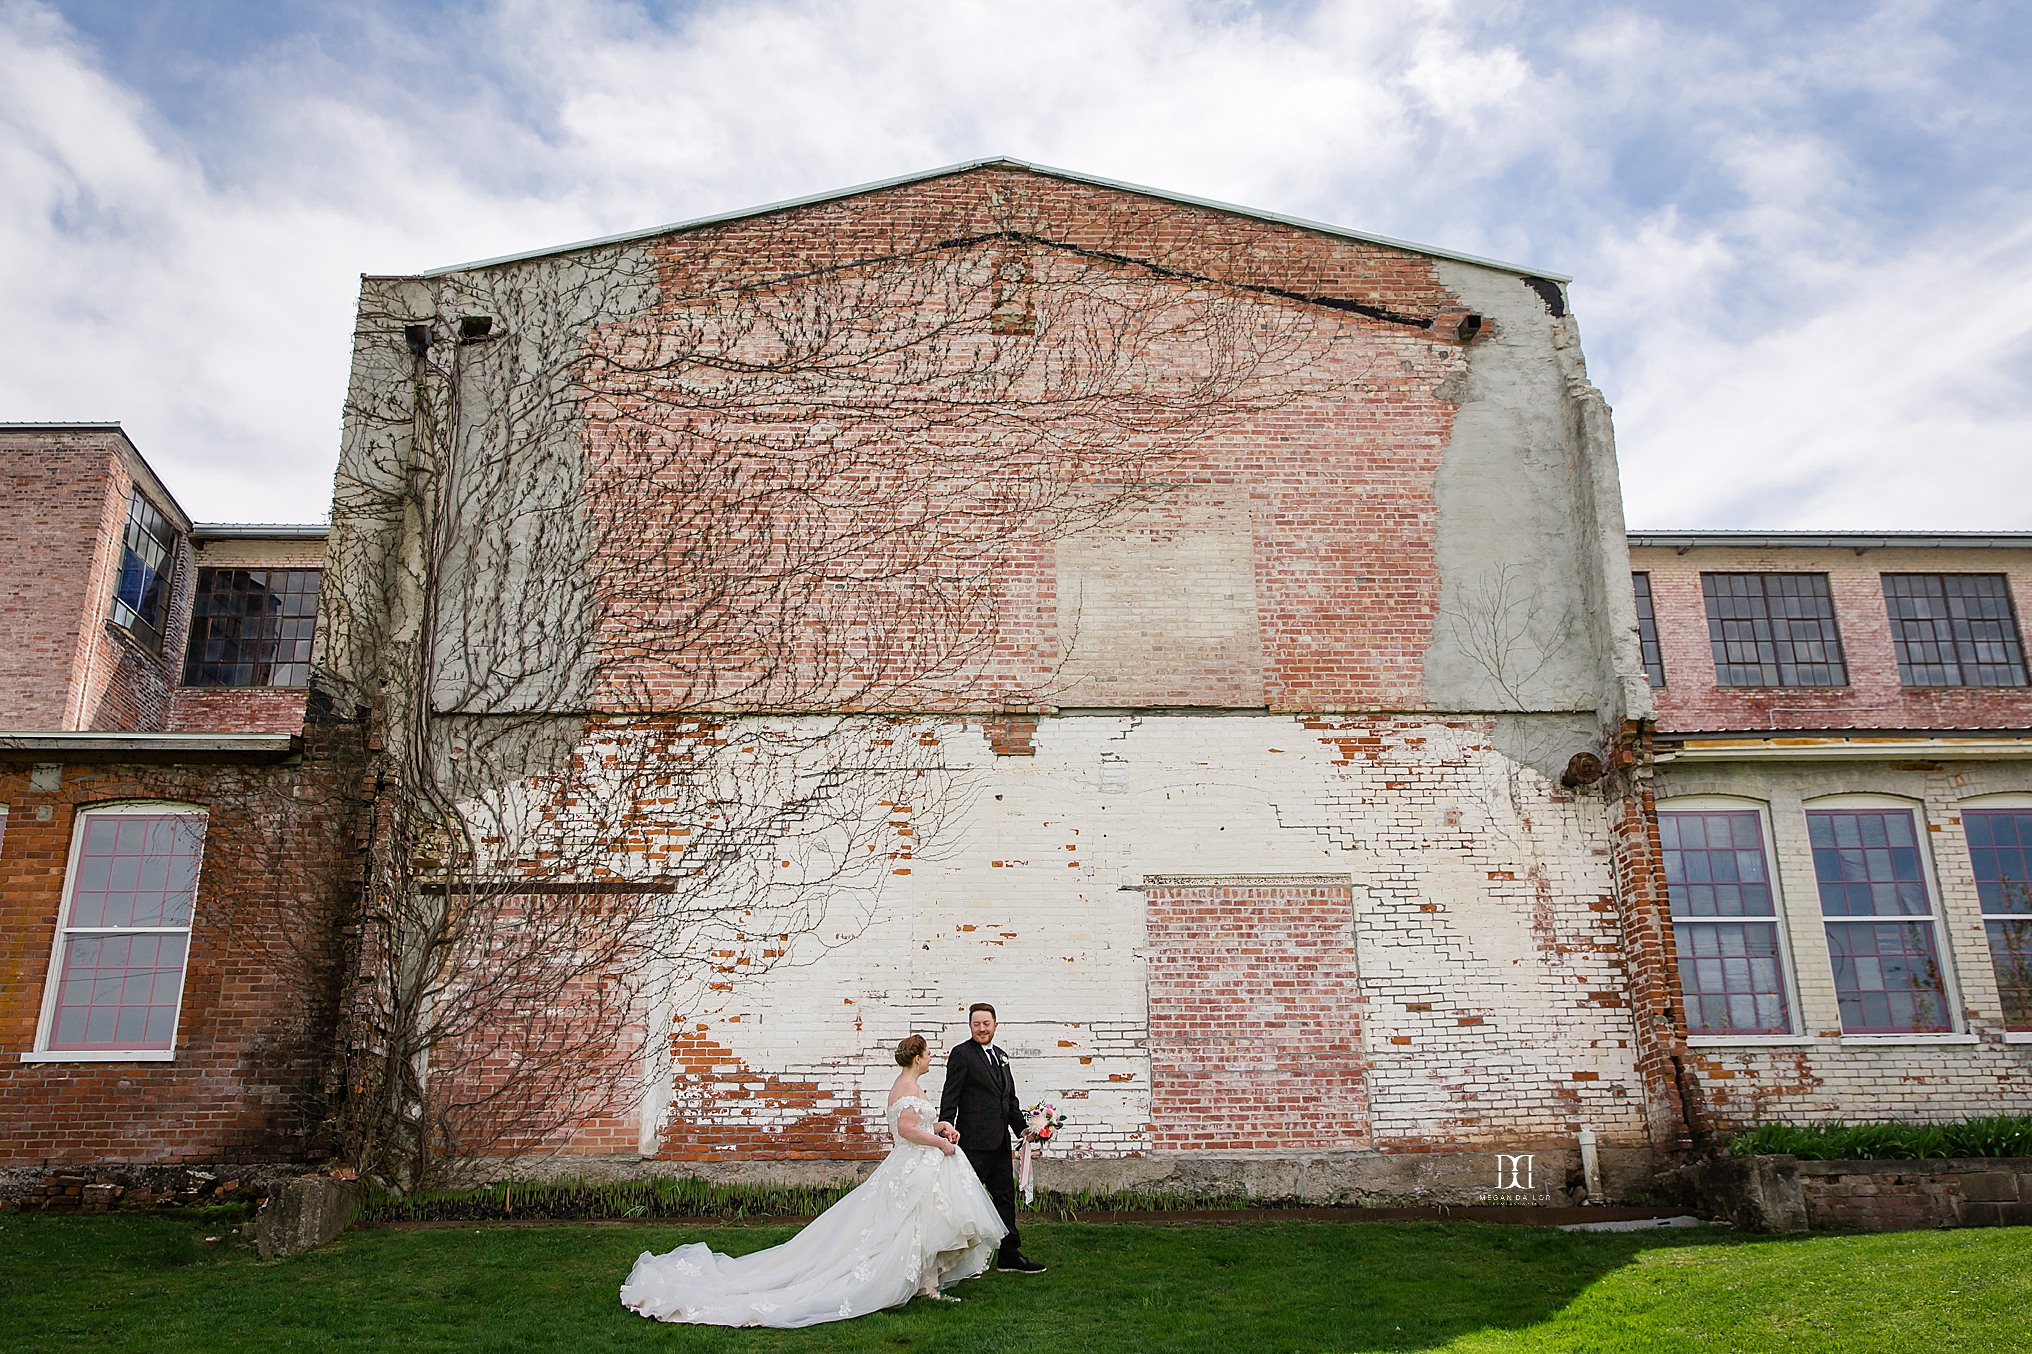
1801 234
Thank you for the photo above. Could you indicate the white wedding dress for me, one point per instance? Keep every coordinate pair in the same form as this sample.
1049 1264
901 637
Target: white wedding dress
921 1210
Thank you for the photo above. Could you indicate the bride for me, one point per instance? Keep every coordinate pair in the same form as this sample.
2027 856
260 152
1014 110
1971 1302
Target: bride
921 1221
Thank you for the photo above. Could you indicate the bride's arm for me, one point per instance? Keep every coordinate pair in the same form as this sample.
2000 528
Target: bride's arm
906 1124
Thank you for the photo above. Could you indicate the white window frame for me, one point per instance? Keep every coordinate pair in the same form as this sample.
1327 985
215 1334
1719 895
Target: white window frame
1779 919
53 982
2008 799
1950 983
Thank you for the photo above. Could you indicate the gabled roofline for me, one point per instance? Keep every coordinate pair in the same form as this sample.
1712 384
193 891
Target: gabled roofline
836 195
135 460
1833 540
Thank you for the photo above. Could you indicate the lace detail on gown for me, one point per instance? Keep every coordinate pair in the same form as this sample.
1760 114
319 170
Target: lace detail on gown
920 1210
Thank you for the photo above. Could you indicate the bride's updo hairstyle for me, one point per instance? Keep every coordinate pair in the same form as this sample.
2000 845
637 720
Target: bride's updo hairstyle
910 1049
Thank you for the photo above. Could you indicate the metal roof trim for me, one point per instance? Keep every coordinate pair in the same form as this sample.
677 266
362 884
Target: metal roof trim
814 199
259 531
1804 745
14 742
1832 540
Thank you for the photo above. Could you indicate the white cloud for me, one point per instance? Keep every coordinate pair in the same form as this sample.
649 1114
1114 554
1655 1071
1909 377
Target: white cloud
1749 277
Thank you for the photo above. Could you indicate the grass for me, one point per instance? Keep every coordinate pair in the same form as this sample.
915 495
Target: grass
1997 1136
153 1283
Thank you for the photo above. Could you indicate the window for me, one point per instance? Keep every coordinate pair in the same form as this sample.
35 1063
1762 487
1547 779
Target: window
2000 848
1954 630
251 627
1773 630
147 562
126 931
1724 922
1878 912
1647 630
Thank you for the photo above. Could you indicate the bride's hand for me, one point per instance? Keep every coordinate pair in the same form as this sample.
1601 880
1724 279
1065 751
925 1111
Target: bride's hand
946 1147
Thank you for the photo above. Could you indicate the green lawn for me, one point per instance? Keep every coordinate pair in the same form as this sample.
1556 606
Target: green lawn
153 1284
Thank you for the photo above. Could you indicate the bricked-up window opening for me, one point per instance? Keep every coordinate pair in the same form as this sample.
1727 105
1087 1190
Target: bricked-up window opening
1647 630
1887 974
1724 923
2000 849
126 932
251 627
1954 630
147 559
1773 630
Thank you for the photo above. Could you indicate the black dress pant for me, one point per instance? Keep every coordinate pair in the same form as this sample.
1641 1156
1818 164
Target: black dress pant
998 1177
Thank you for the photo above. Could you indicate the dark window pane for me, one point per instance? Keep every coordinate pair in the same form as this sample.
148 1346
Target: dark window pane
2000 849
247 627
1732 977
1773 630
1887 974
1954 630
147 559
1730 971
1647 630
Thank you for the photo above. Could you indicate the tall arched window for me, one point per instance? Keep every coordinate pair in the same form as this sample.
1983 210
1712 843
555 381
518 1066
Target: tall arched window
116 977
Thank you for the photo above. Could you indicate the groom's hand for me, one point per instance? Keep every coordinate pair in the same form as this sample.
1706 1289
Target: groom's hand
947 1131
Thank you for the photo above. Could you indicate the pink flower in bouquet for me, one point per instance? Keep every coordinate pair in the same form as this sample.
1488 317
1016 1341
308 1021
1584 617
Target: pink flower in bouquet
1045 1120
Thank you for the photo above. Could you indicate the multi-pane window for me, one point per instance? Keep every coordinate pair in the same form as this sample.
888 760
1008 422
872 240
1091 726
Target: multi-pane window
147 562
1773 630
2000 848
1647 630
126 931
1724 922
1878 911
251 627
1954 630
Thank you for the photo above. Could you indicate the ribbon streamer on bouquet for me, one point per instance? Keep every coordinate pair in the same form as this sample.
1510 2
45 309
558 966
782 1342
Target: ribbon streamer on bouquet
1023 1175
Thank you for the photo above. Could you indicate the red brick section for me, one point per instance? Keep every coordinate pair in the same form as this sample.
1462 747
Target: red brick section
724 1111
1873 699
243 709
1646 915
1255 1019
1340 483
254 1039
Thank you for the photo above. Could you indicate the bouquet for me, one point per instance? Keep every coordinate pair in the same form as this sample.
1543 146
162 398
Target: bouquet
1045 1121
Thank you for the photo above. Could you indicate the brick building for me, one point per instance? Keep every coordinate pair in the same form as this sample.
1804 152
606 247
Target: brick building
1272 810
162 851
1844 795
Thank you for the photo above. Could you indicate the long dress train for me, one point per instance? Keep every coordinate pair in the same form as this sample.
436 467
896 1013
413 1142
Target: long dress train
920 1211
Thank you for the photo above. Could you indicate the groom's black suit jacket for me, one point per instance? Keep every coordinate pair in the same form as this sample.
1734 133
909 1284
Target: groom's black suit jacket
979 1099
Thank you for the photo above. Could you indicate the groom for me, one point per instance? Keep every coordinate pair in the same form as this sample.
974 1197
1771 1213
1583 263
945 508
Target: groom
980 1098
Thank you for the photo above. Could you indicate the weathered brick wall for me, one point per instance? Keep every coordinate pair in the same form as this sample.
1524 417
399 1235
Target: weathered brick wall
1464 989
1301 532
1873 699
1818 1073
253 1040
